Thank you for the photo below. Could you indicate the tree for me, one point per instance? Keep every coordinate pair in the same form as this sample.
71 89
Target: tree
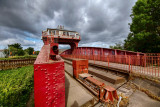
145 27
6 52
36 52
30 50
16 49
20 52
16 45
13 50
129 43
117 46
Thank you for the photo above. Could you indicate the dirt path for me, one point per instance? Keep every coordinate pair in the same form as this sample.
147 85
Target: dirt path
30 102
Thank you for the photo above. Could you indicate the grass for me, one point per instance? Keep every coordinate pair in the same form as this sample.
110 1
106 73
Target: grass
15 86
20 57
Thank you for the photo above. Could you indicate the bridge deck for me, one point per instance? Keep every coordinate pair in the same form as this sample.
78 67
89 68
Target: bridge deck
150 70
125 68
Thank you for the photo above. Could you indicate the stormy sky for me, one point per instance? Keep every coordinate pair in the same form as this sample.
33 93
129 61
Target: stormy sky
100 22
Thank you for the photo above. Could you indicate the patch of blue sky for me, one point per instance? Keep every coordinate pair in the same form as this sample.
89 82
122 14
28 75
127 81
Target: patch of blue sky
32 39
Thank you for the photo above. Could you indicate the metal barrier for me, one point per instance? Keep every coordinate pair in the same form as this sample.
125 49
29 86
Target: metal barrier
15 63
147 65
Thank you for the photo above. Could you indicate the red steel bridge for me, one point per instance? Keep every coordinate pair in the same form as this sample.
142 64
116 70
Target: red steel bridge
49 75
120 60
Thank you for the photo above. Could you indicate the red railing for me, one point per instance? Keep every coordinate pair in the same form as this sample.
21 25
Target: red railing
147 65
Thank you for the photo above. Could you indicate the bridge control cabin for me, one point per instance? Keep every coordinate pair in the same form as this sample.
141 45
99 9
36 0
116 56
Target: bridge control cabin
60 35
60 32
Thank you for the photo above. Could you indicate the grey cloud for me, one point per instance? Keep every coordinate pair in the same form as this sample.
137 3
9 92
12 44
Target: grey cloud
104 21
111 17
17 40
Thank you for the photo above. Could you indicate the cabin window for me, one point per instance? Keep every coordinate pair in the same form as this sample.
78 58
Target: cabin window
53 32
60 32
72 34
64 33
49 31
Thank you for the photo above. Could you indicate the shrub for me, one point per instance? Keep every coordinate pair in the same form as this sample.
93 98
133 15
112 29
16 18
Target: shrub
15 86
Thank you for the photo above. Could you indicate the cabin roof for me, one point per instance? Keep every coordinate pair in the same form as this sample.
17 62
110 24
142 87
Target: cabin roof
61 30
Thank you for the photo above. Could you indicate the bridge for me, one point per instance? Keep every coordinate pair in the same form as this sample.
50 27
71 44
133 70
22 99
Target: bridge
54 84
119 60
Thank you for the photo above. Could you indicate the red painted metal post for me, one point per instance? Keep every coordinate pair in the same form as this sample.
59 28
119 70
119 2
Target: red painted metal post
81 53
98 55
152 65
131 58
94 59
142 65
87 53
108 60
101 57
155 65
147 64
123 61
76 53
158 66
93 55
129 64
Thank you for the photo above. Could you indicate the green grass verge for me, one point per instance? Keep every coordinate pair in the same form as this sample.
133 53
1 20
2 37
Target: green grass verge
20 57
15 86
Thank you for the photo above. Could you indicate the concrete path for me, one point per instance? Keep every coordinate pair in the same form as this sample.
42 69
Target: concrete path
76 95
140 99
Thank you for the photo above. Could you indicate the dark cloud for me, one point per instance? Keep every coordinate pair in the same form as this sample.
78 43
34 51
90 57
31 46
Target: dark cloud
103 21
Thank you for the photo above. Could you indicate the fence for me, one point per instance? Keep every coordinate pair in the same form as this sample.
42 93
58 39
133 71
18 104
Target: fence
148 65
9 64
